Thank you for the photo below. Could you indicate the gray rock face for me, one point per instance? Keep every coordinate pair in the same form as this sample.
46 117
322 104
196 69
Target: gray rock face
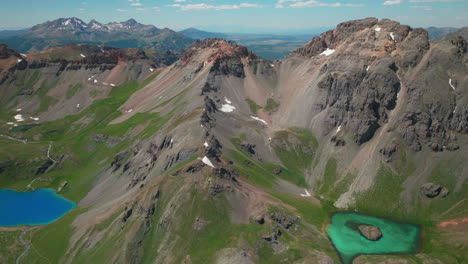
370 232
284 220
431 190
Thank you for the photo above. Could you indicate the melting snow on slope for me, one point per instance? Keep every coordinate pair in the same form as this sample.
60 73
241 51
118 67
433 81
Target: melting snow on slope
205 144
259 119
367 69
307 194
328 52
77 105
338 129
95 81
207 162
35 118
82 56
112 84
130 110
18 110
227 108
10 123
227 100
18 118
378 29
151 69
392 36
20 60
451 85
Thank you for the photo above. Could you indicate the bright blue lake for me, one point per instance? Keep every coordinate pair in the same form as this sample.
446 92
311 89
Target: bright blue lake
42 206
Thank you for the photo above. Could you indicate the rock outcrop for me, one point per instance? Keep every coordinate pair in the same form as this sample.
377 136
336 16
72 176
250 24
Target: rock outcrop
370 232
431 190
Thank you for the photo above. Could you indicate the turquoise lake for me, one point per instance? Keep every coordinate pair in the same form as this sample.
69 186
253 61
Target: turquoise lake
39 207
397 238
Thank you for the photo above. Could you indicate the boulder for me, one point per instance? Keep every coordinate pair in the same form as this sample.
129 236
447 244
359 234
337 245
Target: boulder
431 190
370 232
277 170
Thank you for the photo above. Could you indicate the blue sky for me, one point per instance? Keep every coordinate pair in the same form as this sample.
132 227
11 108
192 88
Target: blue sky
242 16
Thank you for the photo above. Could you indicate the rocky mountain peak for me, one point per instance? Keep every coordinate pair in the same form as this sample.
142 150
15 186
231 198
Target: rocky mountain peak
131 22
217 49
355 31
6 52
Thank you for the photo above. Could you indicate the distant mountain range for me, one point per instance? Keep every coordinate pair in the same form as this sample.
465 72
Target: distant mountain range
436 32
460 32
128 34
200 34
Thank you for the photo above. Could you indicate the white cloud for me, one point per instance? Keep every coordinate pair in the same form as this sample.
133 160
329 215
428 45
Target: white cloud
120 10
393 2
136 4
311 3
397 2
204 6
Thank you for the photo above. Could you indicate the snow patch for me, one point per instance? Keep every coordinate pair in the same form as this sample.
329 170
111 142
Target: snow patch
307 194
259 119
227 100
105 83
130 110
112 84
20 60
77 105
10 123
205 144
378 29
89 79
328 52
151 69
82 56
35 118
95 81
451 85
207 162
227 108
338 129
392 36
18 110
23 55
367 69
19 118
272 65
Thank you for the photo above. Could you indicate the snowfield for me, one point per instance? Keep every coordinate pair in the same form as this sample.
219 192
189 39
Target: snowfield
328 52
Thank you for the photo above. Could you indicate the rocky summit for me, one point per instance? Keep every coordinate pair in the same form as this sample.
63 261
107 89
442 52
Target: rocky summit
225 157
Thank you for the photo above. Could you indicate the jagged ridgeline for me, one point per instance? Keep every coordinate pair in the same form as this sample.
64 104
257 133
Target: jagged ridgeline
224 157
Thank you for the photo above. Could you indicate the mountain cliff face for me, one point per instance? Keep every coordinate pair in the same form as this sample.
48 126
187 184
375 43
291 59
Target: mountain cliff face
128 34
224 157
